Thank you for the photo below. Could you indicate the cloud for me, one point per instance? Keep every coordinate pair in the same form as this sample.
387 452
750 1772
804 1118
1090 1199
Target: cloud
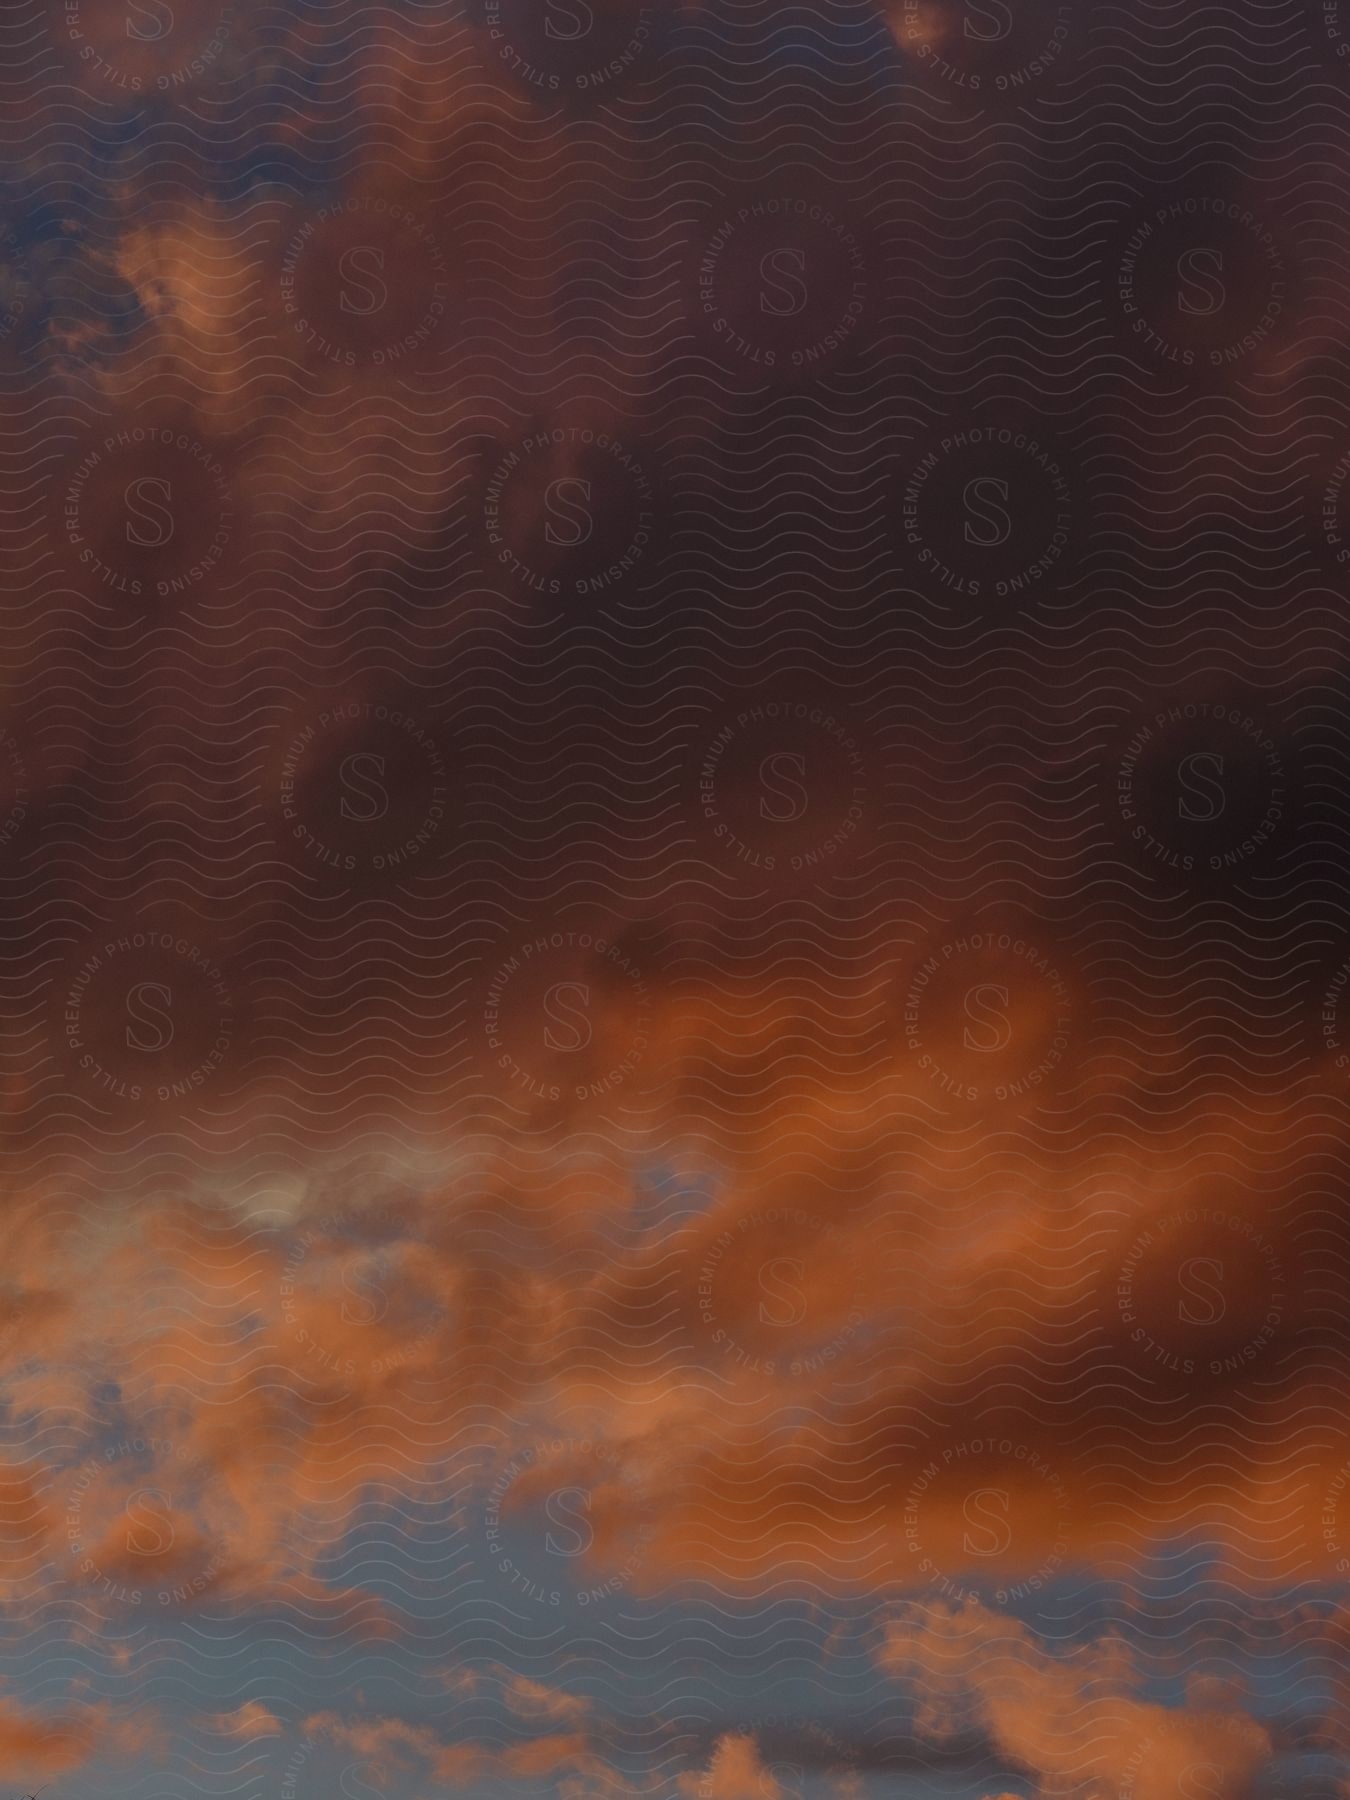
388 1745
1069 1719
34 1743
249 1721
535 1700
735 1771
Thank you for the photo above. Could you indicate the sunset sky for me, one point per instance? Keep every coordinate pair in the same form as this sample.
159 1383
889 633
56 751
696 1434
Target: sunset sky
674 956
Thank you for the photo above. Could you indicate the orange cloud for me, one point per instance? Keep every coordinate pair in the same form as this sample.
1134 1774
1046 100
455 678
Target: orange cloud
35 1744
735 1772
1068 1719
249 1721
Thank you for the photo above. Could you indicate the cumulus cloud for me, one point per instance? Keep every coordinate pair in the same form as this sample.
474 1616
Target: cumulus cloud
735 1771
1072 1718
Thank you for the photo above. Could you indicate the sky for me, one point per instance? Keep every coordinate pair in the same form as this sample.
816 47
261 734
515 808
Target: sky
674 969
